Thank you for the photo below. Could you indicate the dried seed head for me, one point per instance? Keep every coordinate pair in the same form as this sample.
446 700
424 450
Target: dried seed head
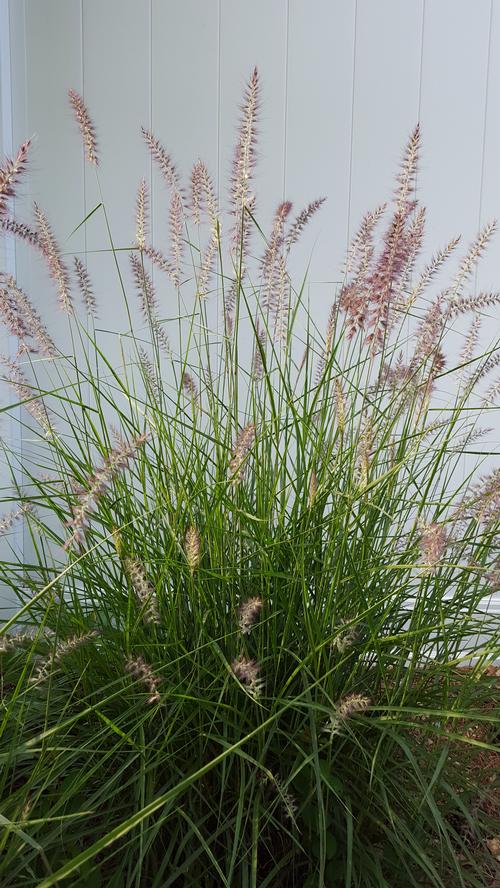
10 173
162 159
345 709
433 540
192 548
346 639
176 232
248 613
20 230
244 155
7 521
202 195
63 649
301 221
313 489
147 295
242 446
31 318
85 287
87 128
143 673
143 589
98 484
50 251
141 215
248 672
25 392
189 386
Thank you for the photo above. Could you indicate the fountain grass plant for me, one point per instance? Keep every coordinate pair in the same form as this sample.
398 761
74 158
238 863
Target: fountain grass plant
252 645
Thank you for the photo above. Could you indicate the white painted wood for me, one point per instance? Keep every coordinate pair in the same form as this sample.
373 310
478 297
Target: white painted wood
343 83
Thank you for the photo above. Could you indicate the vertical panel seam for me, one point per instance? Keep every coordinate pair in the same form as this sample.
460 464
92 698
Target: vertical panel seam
485 122
219 109
285 108
352 124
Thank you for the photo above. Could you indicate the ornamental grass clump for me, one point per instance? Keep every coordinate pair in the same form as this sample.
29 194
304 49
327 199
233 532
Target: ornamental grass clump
252 642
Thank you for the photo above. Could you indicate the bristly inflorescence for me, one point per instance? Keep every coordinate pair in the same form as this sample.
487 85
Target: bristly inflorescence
346 708
87 128
98 484
141 214
243 445
433 541
10 173
248 613
247 671
63 649
149 305
244 156
144 674
192 548
26 393
145 593
85 287
50 250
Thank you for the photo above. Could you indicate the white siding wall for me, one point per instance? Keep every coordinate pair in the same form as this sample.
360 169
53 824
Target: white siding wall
344 81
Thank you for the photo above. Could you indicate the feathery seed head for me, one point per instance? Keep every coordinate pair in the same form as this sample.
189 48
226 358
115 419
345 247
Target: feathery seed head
345 709
85 287
143 673
192 548
143 589
51 253
243 444
98 484
248 671
10 173
141 214
87 128
433 540
248 613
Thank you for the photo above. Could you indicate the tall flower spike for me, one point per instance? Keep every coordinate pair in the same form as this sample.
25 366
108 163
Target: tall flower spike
143 589
248 672
313 489
248 613
207 264
176 233
25 392
32 319
10 173
57 268
192 548
142 672
301 221
85 287
243 444
244 155
273 263
433 541
97 485
407 174
87 128
470 261
20 230
141 214
203 198
189 386
431 270
345 709
163 160
147 295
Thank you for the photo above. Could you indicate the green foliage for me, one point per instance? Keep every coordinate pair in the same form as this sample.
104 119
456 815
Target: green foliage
239 648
